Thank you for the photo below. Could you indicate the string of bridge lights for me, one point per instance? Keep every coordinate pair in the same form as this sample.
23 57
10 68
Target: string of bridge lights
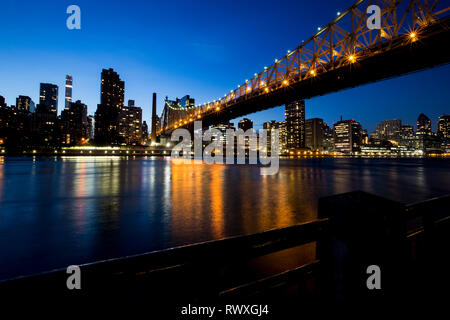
260 83
256 75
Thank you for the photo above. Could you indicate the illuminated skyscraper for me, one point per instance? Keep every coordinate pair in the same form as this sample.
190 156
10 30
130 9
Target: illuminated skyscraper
295 124
48 97
155 119
314 134
347 136
130 124
68 98
109 109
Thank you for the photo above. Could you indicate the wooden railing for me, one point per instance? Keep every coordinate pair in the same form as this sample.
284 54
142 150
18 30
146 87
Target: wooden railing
353 230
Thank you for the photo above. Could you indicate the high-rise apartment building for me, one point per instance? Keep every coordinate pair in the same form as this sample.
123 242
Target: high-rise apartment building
109 109
295 124
155 119
347 136
48 97
74 124
130 124
314 134
24 104
68 96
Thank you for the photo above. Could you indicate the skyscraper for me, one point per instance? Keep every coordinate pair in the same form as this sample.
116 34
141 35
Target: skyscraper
295 124
109 109
155 118
347 136
281 126
74 124
130 124
48 97
314 134
112 89
68 98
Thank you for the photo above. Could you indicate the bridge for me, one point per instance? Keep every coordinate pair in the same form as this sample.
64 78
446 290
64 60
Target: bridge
346 53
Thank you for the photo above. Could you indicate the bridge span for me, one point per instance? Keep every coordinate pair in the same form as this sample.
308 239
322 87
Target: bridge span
413 35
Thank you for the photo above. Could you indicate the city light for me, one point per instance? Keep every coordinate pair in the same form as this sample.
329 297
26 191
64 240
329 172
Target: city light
352 58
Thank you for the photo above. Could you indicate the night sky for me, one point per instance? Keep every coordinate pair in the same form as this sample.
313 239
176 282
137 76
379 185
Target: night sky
201 48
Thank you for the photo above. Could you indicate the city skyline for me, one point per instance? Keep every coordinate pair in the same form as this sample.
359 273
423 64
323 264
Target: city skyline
146 71
279 116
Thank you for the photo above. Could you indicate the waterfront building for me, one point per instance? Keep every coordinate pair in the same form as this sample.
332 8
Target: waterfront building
44 128
74 124
68 96
48 97
328 138
281 126
223 127
444 126
130 124
109 109
429 143
423 125
295 124
408 138
388 130
347 136
314 134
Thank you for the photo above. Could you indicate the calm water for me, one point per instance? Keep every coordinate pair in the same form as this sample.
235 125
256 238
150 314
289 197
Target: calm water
57 212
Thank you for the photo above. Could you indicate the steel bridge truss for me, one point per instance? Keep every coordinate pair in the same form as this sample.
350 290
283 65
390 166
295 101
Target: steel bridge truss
345 41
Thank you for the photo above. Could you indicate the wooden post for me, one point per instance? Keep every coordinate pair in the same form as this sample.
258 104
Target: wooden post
364 230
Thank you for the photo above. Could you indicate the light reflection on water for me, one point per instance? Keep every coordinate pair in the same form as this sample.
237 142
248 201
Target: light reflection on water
60 211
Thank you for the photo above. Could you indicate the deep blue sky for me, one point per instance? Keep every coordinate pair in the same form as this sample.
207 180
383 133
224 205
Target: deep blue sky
201 48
